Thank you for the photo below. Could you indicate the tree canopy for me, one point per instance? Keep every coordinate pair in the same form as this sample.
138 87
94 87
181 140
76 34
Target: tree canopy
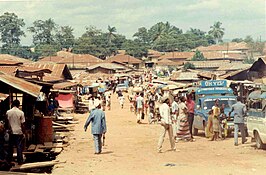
48 37
198 56
217 32
11 30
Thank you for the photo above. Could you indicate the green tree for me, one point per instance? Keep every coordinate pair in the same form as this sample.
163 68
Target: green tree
198 56
157 31
111 33
163 30
249 39
97 43
43 31
237 40
142 35
11 30
195 38
217 32
188 65
65 37
135 48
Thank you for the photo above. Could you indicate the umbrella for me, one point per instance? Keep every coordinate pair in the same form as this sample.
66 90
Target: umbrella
255 95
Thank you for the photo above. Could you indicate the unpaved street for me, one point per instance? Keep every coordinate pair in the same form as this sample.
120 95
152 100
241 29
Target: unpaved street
131 149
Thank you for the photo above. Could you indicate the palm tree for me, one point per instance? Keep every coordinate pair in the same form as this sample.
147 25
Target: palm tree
217 32
111 33
157 31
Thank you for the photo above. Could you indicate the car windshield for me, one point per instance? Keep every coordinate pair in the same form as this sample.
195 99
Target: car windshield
121 85
210 103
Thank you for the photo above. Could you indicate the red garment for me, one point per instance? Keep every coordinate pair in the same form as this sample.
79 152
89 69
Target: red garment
190 106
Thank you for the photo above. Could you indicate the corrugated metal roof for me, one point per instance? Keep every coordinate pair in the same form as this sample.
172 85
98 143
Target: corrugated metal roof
124 59
184 76
107 66
57 69
226 46
233 73
64 85
10 70
208 64
177 55
64 57
166 62
20 84
233 66
154 53
10 62
209 74
14 58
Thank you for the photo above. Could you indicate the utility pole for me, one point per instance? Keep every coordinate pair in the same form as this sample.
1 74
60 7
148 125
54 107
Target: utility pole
73 61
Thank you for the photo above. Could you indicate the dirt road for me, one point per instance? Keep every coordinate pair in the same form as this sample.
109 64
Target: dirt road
131 149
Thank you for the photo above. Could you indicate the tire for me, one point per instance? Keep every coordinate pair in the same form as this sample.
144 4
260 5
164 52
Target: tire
259 143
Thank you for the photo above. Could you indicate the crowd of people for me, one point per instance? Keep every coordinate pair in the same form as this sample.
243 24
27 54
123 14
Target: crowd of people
174 112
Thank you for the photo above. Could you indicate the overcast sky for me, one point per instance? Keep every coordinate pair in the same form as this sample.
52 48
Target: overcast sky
239 17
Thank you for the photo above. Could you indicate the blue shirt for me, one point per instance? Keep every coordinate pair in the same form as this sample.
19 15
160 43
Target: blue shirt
97 118
239 110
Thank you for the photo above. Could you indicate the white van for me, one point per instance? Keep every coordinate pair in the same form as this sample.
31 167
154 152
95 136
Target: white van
256 120
256 123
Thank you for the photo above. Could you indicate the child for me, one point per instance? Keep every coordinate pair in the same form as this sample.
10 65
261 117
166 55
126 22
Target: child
213 126
121 100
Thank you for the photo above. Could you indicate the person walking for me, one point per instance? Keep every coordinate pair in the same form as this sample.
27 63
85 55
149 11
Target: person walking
190 107
140 107
183 128
98 128
121 99
16 120
239 110
166 123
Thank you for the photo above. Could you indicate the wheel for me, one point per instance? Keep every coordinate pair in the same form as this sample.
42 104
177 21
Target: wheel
259 143
195 131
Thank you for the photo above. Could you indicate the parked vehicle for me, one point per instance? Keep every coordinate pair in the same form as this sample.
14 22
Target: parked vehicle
256 120
205 96
123 87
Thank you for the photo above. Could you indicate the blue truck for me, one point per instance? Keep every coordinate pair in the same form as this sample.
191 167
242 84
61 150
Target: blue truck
205 95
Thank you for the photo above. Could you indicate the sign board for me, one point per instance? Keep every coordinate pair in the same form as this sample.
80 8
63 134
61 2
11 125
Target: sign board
213 83
214 90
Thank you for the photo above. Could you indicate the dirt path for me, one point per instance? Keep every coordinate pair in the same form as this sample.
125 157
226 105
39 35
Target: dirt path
131 149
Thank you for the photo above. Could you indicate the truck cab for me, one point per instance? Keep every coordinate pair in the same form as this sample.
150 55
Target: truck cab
205 95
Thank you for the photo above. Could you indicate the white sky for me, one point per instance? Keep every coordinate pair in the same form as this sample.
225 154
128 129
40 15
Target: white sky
239 17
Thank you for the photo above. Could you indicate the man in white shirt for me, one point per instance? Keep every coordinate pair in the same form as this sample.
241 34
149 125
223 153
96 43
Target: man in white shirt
140 106
16 121
166 123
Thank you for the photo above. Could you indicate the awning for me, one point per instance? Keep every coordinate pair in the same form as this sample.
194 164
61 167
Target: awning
64 85
20 84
